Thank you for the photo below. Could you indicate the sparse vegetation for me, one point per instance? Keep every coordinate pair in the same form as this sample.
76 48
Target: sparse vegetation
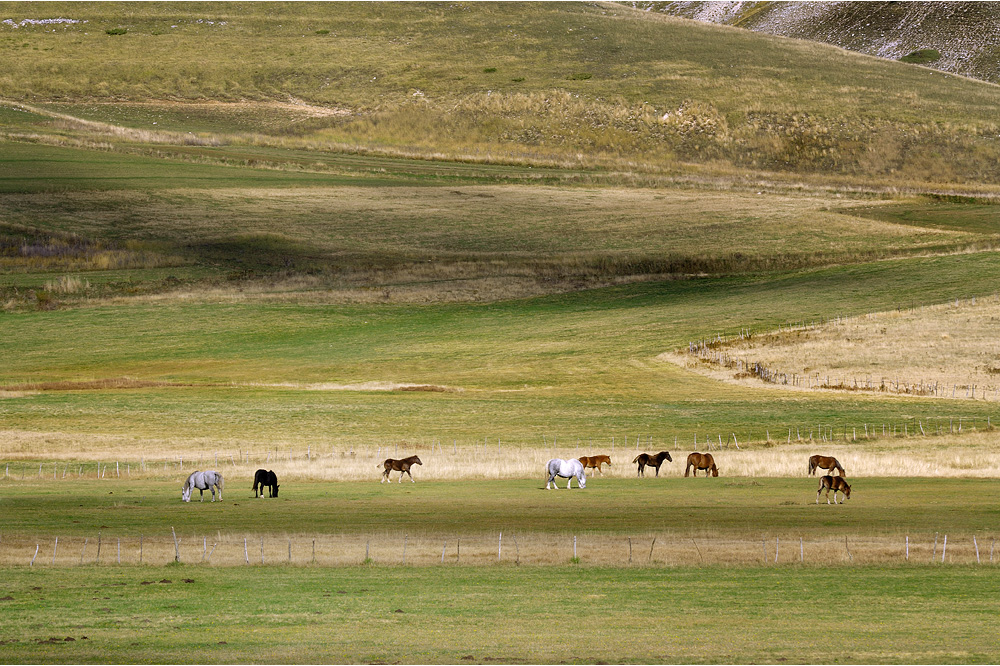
922 57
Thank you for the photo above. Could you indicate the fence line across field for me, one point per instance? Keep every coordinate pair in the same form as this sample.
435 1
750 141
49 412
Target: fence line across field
513 548
505 457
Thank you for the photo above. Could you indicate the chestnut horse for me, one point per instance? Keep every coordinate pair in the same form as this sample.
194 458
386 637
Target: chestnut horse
595 462
401 466
826 462
653 461
703 461
834 483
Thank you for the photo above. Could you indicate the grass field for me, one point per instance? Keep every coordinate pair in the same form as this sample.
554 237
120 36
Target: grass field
378 240
485 614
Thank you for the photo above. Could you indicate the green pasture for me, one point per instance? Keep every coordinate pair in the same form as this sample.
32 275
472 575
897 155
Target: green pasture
575 365
725 507
896 614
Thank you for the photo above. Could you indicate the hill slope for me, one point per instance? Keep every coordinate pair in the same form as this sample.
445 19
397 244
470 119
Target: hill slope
580 85
964 35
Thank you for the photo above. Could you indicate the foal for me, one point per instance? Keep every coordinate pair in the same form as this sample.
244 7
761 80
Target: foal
401 466
834 483
644 459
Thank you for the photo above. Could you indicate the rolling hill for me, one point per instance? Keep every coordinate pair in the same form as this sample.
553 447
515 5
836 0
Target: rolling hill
590 86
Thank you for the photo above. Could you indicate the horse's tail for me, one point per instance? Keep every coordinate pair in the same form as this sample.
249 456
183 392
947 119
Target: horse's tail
637 458
812 466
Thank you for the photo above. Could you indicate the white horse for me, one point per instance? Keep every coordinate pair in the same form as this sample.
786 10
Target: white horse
202 481
567 469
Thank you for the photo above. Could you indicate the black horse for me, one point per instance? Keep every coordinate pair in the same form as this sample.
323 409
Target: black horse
653 461
264 477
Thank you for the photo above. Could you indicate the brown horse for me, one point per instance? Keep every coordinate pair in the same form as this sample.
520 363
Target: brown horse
703 461
401 466
834 483
826 462
653 461
595 462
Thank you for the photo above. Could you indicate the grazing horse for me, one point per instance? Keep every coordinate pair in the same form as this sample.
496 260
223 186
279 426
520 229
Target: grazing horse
653 461
202 481
263 478
595 462
703 461
826 462
834 483
401 466
567 469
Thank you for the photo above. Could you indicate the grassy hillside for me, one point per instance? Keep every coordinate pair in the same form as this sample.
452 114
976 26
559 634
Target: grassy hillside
569 84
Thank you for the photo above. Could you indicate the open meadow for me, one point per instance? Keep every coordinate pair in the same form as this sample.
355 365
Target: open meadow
489 235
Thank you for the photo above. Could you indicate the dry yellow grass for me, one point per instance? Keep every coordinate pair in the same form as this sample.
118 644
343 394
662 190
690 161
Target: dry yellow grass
968 455
945 350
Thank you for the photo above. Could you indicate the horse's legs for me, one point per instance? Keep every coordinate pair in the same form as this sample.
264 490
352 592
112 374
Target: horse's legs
408 474
551 482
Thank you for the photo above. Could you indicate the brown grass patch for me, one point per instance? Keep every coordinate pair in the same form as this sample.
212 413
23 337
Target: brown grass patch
946 350
91 385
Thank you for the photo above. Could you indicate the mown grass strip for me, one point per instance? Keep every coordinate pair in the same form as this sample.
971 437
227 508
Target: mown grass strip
506 614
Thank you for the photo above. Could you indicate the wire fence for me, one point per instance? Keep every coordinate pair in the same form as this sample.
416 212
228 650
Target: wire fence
496 548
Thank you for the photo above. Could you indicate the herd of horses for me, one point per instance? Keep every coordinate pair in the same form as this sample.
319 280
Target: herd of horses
568 469
557 467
